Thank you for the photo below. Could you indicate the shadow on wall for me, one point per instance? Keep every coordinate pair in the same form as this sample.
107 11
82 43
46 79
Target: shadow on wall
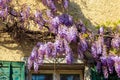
24 45
75 11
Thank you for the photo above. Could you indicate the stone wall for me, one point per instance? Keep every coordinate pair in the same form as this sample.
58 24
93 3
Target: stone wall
91 12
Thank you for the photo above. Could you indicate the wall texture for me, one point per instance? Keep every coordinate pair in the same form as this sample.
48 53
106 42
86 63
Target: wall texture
91 12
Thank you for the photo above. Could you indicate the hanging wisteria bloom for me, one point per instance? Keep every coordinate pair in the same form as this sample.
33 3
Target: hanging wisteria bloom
50 50
68 52
101 31
72 34
36 66
63 31
66 19
80 53
4 3
105 72
69 58
34 53
116 42
4 13
81 27
65 3
54 23
41 50
110 64
99 45
59 45
50 4
25 12
97 48
104 52
104 67
49 14
39 19
117 65
83 43
41 53
82 46
29 63
40 59
94 50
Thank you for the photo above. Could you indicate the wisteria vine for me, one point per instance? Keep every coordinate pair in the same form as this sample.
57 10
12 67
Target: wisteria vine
66 31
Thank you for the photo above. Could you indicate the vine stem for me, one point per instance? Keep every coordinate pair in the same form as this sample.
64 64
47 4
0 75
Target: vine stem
55 69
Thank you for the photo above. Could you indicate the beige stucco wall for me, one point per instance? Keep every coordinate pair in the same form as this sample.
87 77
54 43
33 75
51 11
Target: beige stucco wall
91 12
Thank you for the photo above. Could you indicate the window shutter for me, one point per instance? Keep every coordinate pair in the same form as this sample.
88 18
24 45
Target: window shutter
12 70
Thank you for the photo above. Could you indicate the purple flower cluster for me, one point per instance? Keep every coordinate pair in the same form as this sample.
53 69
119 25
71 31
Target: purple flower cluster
82 46
66 19
97 47
110 64
25 12
39 19
50 4
107 65
4 8
116 42
117 65
68 52
65 3
49 50
59 44
70 34
81 27
101 31
56 22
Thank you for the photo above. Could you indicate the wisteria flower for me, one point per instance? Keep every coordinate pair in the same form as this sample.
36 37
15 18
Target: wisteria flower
49 14
101 31
72 34
94 50
65 4
116 42
63 31
59 45
30 63
110 63
34 53
36 66
66 19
